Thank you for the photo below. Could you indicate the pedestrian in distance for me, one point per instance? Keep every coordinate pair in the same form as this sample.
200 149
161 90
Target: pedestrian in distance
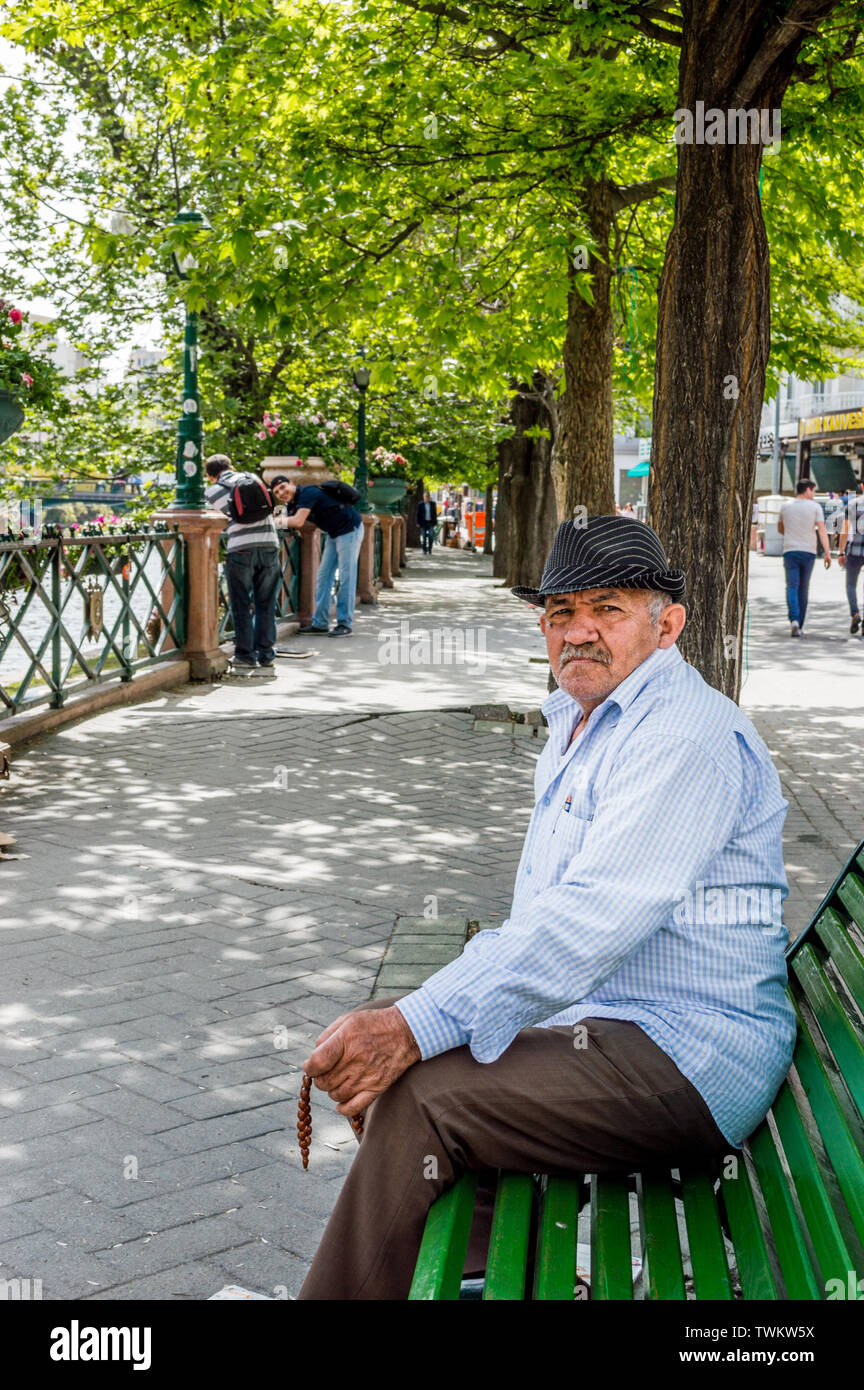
801 522
330 508
252 570
427 517
851 556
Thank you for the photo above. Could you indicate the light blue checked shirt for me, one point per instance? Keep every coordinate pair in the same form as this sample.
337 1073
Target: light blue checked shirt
649 889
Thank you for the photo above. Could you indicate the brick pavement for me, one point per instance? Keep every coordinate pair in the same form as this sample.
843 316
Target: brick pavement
208 878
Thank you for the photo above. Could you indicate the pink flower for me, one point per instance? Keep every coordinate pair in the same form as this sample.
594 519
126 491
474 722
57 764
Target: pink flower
266 420
27 378
271 429
351 444
322 436
15 315
299 463
262 434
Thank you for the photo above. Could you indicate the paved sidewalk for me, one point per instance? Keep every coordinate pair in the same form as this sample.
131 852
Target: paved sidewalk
212 876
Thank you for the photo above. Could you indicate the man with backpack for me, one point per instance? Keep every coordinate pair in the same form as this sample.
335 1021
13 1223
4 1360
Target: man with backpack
252 569
330 508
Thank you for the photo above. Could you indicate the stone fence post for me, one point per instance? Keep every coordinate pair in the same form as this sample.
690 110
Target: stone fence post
366 589
388 546
200 530
310 556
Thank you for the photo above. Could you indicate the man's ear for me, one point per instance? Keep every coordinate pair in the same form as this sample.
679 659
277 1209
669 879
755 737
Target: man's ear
671 624
543 623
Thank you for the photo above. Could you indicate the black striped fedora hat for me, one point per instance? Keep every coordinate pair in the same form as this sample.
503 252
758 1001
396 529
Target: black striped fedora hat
615 552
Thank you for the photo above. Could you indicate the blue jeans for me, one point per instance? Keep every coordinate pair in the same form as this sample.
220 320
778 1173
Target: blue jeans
253 576
427 533
853 569
798 565
342 553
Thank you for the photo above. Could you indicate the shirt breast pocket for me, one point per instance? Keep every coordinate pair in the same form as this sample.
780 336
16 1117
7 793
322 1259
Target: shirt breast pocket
571 827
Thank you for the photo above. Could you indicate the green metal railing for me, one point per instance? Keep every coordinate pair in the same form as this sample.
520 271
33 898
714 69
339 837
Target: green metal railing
76 612
288 599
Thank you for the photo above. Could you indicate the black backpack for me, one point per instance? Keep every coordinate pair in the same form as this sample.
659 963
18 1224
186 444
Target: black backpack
343 493
250 500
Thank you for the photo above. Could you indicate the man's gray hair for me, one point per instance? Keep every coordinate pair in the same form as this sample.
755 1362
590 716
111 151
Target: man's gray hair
657 601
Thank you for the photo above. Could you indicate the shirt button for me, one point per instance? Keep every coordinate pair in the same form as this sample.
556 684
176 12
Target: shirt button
527 868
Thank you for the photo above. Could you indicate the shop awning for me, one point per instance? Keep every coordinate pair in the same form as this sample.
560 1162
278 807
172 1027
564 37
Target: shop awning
640 471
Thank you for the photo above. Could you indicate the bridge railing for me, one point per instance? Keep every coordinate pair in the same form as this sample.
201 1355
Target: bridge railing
75 612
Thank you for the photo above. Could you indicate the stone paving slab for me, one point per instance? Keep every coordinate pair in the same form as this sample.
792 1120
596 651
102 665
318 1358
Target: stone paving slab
209 878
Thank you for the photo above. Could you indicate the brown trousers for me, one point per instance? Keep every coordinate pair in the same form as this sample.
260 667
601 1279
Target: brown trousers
545 1106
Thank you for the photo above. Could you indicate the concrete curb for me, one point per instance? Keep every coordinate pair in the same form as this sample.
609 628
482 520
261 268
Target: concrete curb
20 728
419 946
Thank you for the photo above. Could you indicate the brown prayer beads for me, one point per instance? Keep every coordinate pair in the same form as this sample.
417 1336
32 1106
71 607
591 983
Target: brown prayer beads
304 1120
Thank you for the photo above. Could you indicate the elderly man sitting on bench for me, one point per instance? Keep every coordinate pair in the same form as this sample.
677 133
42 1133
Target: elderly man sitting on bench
631 1012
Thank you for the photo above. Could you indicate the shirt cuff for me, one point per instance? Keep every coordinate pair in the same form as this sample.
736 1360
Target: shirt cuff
434 1031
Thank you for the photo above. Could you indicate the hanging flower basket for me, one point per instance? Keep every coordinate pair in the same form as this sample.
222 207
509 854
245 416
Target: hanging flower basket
26 378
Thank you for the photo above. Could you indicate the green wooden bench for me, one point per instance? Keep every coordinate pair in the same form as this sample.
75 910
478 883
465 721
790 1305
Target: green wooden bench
784 1226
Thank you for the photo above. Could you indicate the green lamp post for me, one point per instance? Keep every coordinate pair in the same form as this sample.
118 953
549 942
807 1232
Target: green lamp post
189 460
361 475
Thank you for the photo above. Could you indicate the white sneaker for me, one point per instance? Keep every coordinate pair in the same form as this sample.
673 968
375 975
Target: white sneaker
796 630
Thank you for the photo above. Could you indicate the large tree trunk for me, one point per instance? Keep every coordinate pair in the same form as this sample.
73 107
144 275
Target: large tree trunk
585 445
527 516
415 497
713 332
488 505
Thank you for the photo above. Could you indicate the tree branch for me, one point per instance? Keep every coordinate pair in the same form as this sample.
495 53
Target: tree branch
649 26
802 19
639 192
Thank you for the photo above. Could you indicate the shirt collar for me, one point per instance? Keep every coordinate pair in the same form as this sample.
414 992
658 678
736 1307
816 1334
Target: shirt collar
559 702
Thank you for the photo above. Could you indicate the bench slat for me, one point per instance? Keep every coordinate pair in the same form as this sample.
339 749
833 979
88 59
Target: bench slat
611 1270
839 1033
438 1274
755 1271
555 1269
829 1240
847 959
790 1242
705 1238
842 1141
508 1244
851 894
664 1273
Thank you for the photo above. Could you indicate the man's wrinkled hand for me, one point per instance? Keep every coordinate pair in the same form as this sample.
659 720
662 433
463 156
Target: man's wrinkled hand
360 1055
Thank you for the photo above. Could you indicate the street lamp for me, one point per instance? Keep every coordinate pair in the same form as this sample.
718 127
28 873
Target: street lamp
190 434
361 476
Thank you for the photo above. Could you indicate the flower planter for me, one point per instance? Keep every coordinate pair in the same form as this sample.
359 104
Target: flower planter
11 416
313 472
385 492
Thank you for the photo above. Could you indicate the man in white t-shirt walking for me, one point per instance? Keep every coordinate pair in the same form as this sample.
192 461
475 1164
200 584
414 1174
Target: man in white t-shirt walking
801 521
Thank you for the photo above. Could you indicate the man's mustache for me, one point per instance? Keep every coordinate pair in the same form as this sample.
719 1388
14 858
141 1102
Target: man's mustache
588 649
